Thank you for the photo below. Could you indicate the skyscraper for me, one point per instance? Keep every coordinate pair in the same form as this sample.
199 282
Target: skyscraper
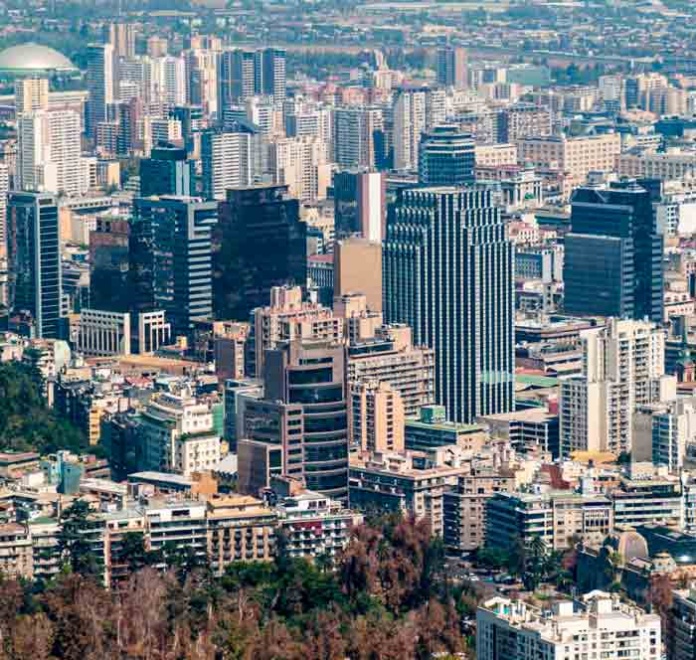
30 94
355 133
273 73
452 67
409 123
448 273
166 172
236 77
170 258
446 157
259 242
613 254
122 37
100 84
33 254
360 204
226 162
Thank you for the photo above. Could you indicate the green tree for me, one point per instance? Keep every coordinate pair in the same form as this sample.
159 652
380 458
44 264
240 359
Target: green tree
73 542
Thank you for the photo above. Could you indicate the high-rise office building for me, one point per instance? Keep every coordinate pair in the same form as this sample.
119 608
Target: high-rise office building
108 262
236 77
49 152
31 94
409 116
226 162
359 204
201 68
302 418
448 273
170 258
613 254
167 172
273 73
121 36
100 84
33 255
358 269
452 68
169 75
446 157
259 242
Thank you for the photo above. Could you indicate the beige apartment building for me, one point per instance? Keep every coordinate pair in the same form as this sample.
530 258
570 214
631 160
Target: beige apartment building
671 165
358 269
376 417
495 155
576 155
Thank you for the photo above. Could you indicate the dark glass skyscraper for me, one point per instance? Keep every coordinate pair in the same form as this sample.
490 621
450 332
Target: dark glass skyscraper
613 255
446 157
170 258
259 242
166 172
448 273
33 254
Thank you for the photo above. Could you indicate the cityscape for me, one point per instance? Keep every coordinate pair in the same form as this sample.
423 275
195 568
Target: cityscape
358 330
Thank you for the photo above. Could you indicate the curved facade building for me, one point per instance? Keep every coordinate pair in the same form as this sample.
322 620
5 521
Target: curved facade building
32 59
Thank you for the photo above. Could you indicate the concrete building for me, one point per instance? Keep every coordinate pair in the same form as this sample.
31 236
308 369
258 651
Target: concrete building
495 155
101 333
409 117
669 166
682 625
358 269
100 84
530 430
431 429
302 164
360 204
646 501
603 627
376 417
392 358
557 517
226 162
446 157
355 129
31 94
16 553
623 367
452 67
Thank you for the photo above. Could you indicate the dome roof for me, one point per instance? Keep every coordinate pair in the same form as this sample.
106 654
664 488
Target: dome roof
30 57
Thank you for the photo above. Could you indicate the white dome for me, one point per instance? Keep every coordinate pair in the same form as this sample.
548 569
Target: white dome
30 57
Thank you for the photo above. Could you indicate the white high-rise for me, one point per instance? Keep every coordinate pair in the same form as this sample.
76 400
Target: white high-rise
172 80
623 367
31 94
409 123
49 152
303 165
226 161
600 626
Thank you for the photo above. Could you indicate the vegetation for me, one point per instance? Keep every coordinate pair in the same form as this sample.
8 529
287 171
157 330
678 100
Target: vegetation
26 423
388 598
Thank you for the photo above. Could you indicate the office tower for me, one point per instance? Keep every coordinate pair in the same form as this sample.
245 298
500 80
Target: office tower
259 242
448 273
31 94
623 367
49 152
409 122
100 85
167 172
4 190
452 68
303 165
358 269
303 415
108 261
236 77
613 254
273 73
170 80
201 67
121 36
359 204
287 318
376 417
33 256
446 157
226 162
170 258
356 130
128 116
157 46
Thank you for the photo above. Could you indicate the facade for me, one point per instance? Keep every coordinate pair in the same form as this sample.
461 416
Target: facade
614 234
623 368
31 94
376 417
452 67
100 84
359 204
409 117
226 160
642 502
167 172
431 429
603 627
302 164
358 269
682 638
33 254
258 243
101 333
446 157
16 553
464 313
356 137
170 258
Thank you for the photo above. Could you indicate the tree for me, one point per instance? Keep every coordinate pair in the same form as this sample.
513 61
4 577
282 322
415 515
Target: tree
73 542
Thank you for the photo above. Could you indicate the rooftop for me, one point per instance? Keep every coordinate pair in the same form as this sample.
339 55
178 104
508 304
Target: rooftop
31 57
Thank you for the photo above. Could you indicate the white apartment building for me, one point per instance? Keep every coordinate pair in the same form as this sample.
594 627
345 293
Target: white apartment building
409 123
600 628
177 435
31 94
623 367
49 152
354 131
226 162
301 163
169 80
